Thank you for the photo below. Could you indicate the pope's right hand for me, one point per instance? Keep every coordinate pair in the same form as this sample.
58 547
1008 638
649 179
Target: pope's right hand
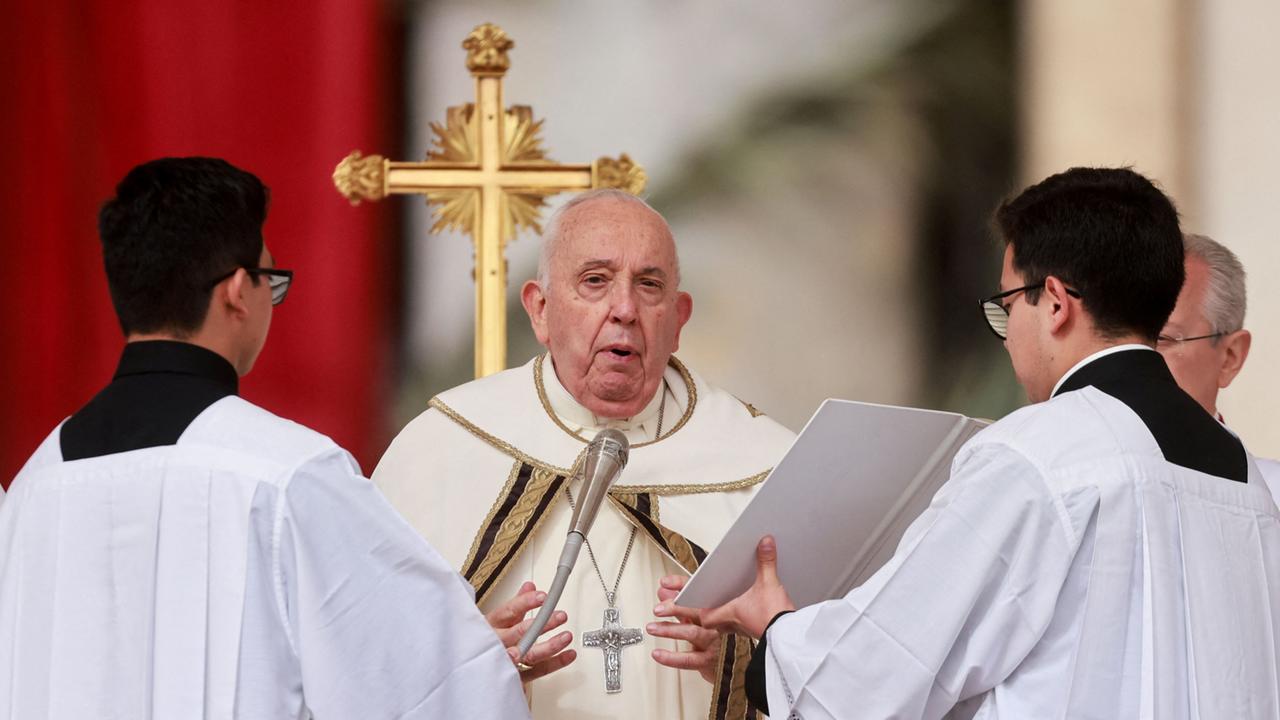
546 656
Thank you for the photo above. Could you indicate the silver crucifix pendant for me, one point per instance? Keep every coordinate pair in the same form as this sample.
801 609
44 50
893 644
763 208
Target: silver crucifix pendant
611 639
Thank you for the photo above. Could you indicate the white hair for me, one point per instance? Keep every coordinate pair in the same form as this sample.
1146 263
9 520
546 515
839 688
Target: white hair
1224 298
553 232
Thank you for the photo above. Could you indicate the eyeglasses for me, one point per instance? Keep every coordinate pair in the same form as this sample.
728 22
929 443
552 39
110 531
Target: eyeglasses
1178 339
996 313
278 280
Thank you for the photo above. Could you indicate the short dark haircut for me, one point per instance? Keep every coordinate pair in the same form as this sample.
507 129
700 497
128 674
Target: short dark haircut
175 226
1108 233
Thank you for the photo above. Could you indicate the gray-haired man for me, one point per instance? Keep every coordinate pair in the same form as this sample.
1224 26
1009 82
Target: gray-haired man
1204 341
486 473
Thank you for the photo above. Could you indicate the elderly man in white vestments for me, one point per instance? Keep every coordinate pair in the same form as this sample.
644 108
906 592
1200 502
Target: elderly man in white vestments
1108 552
172 551
1204 341
486 473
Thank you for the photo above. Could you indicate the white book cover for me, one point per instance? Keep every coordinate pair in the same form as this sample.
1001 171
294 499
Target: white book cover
838 502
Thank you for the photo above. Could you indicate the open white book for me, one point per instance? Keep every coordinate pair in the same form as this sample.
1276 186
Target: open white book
838 502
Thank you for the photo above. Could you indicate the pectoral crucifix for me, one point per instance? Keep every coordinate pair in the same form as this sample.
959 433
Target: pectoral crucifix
611 639
487 175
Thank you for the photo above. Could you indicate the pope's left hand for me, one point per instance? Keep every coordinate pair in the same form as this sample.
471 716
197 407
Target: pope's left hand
685 626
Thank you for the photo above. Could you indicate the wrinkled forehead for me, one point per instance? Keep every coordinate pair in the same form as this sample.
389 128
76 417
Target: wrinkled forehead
617 231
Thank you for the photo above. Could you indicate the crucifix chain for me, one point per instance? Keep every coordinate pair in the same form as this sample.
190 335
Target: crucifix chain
612 637
610 595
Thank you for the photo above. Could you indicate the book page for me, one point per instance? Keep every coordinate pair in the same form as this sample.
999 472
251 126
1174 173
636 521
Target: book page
839 501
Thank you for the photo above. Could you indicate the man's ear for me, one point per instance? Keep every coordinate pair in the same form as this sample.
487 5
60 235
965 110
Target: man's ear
1236 351
235 299
684 310
535 304
1058 304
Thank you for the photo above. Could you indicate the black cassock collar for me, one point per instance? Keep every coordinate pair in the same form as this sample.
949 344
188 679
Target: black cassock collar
159 388
1187 435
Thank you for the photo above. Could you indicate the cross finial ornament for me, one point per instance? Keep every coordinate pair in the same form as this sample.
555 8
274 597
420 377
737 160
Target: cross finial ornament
612 638
487 175
487 48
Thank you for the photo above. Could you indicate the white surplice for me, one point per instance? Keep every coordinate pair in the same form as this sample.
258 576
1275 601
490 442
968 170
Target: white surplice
1271 474
446 471
1270 468
1067 570
248 571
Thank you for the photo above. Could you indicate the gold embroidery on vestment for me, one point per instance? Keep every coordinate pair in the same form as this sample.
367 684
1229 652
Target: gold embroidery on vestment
488 518
694 489
673 362
736 706
755 413
512 528
502 446
514 452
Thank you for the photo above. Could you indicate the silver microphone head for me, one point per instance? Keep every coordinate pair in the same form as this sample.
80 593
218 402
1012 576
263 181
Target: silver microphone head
610 442
605 458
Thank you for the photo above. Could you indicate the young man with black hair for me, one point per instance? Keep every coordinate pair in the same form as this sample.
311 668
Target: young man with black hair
1107 552
172 550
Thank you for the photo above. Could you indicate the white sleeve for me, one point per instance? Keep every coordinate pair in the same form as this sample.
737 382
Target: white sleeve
966 597
383 627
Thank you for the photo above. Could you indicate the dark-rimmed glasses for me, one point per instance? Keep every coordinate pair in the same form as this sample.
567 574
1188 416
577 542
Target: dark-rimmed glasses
278 280
996 313
1178 340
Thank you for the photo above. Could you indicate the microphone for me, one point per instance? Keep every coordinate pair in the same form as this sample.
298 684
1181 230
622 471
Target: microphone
605 458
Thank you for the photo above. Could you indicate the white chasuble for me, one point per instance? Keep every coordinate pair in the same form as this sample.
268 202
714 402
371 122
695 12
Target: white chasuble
482 475
247 571
1066 570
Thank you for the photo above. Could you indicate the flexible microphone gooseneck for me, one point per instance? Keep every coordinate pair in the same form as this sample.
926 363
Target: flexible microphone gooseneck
605 458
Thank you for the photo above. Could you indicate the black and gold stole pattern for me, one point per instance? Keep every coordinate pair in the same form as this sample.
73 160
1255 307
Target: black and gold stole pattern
521 507
530 492
729 697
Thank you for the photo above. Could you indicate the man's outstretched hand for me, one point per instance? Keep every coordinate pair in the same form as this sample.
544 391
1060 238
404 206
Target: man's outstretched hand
545 656
750 612
705 643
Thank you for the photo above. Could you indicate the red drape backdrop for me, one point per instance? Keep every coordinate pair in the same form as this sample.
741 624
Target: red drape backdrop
282 89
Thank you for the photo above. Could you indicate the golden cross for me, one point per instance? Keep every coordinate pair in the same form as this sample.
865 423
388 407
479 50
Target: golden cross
487 175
